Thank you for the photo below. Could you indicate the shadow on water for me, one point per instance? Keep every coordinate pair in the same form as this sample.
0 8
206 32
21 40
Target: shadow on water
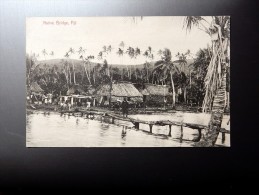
103 130
124 132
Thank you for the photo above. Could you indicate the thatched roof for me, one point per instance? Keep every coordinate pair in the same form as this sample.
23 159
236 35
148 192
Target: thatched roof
119 90
144 92
36 88
75 90
160 90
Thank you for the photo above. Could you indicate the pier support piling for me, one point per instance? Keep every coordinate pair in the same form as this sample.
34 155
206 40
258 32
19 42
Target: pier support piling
170 128
150 128
181 136
113 118
136 125
223 137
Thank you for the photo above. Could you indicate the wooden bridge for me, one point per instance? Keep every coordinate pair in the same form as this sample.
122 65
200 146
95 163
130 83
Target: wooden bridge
136 122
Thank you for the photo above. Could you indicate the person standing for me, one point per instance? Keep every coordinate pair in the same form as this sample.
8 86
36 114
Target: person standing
125 107
88 104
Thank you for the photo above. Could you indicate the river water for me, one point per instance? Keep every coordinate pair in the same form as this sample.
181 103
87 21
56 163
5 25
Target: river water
50 129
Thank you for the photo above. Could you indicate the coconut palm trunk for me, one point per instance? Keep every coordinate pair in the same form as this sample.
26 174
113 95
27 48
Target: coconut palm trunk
87 75
212 132
173 88
74 72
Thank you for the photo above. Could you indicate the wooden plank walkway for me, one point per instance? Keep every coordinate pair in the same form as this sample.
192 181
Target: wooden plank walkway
136 122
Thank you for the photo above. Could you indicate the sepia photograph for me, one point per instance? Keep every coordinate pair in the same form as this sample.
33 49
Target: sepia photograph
136 81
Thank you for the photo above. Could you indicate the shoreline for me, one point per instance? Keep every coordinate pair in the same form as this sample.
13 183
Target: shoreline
132 111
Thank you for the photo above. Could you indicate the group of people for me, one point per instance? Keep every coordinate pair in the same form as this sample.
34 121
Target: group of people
41 98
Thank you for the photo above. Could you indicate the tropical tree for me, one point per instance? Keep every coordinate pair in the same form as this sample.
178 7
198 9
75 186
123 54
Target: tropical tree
51 53
164 67
160 52
72 51
215 80
44 52
182 61
108 50
102 56
149 56
31 64
131 53
136 54
68 67
122 45
86 62
120 53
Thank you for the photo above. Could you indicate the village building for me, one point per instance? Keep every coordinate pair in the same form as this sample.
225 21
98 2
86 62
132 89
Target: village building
35 93
77 96
156 95
117 92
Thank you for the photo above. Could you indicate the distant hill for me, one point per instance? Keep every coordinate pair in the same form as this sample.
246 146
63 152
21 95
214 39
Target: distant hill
59 63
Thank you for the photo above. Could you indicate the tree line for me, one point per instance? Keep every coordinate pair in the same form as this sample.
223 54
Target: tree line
188 80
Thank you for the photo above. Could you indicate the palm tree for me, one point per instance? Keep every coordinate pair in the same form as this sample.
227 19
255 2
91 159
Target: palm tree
67 66
100 55
215 80
65 70
44 52
120 53
31 64
89 59
136 54
200 66
164 67
72 51
122 44
131 53
87 72
149 56
182 63
51 53
86 60
108 51
160 52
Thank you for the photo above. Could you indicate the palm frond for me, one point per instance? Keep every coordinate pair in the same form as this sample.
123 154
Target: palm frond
191 21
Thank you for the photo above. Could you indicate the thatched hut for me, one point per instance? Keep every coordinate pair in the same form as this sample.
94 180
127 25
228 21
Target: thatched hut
76 90
118 91
77 95
34 93
156 94
36 89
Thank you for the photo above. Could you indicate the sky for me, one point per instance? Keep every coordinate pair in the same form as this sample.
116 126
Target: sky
92 33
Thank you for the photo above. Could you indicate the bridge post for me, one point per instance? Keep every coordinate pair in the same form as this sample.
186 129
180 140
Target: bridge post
181 136
170 128
136 125
199 136
113 118
150 128
223 137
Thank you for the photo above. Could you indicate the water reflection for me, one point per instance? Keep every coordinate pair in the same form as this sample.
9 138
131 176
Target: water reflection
55 130
124 132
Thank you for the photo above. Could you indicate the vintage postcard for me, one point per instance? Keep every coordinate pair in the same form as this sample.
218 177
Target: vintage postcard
160 81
